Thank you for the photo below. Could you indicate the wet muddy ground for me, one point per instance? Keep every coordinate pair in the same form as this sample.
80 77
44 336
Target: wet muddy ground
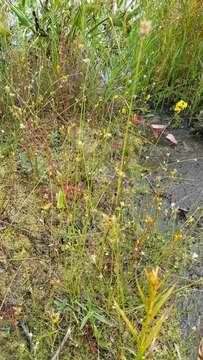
186 193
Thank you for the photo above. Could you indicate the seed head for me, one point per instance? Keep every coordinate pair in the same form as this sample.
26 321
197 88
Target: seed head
145 27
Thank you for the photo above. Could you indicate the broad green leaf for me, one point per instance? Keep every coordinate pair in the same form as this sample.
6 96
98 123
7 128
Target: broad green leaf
61 201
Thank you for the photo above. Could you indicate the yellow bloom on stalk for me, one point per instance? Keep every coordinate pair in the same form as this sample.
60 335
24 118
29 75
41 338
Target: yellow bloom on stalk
65 78
149 220
138 142
115 97
55 318
124 111
173 173
58 68
22 59
181 105
17 310
54 282
178 237
40 99
86 61
190 219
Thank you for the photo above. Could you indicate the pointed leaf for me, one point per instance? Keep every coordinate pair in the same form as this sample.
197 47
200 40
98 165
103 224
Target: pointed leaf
161 302
86 319
101 318
142 296
154 332
129 325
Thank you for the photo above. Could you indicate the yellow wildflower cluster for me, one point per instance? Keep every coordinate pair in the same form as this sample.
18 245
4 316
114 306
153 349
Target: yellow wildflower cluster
55 317
115 97
181 105
138 142
149 220
58 68
190 219
54 282
173 173
124 111
178 236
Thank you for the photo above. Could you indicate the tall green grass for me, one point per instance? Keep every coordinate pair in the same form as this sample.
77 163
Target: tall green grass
171 61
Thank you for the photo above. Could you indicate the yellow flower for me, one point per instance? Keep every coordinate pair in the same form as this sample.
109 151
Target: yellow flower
58 68
124 111
22 59
107 135
173 173
55 317
178 237
81 46
190 219
115 97
54 282
138 142
40 99
181 105
149 220
65 78
86 61
17 310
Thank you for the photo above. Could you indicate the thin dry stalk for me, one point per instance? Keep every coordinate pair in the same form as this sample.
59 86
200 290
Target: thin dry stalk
61 346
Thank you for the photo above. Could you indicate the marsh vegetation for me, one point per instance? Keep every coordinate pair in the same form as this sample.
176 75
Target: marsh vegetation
94 250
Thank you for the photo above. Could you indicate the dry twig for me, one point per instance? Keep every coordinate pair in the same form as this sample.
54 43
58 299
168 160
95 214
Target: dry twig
60 348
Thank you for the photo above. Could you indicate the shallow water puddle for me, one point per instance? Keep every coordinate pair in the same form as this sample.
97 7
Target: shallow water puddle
185 191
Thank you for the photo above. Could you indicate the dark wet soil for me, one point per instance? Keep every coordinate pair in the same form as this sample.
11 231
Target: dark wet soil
186 192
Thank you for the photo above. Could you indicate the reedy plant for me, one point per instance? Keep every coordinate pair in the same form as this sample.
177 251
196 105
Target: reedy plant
110 39
153 301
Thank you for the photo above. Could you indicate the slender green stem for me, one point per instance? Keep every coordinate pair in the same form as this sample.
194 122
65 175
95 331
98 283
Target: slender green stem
125 140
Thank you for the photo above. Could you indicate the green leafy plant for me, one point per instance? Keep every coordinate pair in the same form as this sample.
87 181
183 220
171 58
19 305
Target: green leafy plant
61 200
